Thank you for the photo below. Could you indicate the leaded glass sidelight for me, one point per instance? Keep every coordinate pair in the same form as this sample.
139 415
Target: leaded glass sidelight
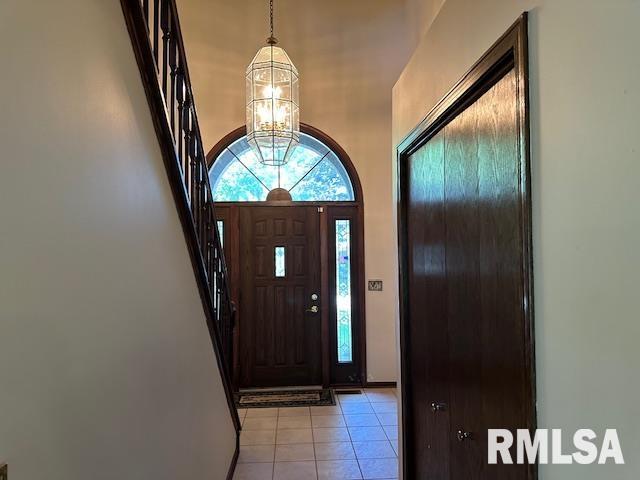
343 291
273 124
220 225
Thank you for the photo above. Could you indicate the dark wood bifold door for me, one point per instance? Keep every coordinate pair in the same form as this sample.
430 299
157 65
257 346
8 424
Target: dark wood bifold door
280 343
466 327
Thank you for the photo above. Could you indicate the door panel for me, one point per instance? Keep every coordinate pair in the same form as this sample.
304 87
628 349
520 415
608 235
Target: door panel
500 252
427 273
463 296
280 338
465 290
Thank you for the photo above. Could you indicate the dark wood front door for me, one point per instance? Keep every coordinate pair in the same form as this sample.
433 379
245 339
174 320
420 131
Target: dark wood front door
466 313
280 344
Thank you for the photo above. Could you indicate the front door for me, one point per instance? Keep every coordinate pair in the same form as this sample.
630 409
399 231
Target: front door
280 343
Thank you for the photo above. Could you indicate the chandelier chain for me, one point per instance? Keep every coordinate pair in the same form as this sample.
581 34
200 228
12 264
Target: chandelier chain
271 16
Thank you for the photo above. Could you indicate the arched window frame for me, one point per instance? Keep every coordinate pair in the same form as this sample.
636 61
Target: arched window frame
317 134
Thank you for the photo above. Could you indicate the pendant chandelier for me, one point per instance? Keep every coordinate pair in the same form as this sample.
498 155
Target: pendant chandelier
273 122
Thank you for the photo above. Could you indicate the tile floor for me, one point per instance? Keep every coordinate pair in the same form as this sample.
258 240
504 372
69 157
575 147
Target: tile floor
355 439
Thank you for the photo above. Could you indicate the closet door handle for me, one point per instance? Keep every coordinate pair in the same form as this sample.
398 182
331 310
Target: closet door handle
463 435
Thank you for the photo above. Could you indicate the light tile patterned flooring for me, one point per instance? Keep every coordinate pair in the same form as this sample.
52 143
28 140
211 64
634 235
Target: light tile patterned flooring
356 439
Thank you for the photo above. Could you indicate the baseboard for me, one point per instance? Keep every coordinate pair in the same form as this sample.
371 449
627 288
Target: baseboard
234 460
381 385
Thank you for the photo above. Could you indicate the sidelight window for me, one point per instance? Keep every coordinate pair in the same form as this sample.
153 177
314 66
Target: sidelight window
220 225
343 291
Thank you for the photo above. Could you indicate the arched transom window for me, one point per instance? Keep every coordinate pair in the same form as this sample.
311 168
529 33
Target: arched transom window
314 173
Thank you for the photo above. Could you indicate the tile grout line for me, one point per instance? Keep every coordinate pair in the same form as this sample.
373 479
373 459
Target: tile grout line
351 442
275 446
313 442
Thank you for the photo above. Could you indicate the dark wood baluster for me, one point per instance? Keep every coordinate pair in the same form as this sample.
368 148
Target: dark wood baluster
171 102
198 201
208 238
204 199
219 283
202 209
220 279
166 35
206 208
155 30
179 134
145 9
214 272
195 208
187 143
197 194
215 283
215 278
212 259
194 165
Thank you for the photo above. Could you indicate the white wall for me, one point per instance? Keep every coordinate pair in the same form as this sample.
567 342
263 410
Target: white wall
349 56
106 367
585 99
420 14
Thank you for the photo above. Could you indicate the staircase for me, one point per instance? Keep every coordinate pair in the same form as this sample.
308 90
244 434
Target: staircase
158 46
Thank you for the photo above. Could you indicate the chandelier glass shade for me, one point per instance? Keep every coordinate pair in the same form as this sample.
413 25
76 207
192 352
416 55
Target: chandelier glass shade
273 123
273 117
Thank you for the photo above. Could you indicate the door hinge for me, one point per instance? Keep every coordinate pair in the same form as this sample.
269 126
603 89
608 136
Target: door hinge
320 209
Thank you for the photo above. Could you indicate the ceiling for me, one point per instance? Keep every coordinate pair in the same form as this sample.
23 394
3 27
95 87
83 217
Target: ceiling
349 54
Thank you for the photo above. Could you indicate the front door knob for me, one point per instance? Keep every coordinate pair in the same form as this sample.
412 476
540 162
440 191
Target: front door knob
313 309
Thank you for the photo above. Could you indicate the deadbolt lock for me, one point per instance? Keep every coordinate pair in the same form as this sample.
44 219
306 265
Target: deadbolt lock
314 296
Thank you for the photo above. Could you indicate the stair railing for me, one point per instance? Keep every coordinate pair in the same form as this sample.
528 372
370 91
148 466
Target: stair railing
157 42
